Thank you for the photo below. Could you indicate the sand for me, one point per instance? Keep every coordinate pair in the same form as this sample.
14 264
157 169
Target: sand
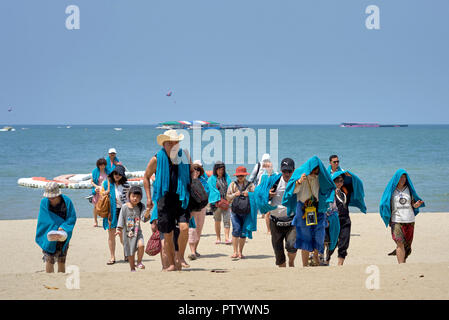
424 276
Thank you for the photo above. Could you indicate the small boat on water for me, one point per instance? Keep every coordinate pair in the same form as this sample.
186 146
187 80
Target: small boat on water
7 129
369 125
118 129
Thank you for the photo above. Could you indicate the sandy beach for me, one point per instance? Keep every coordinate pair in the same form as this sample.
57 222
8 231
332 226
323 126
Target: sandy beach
424 276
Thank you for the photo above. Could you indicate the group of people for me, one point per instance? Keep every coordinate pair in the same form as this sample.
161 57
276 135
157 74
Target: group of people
305 208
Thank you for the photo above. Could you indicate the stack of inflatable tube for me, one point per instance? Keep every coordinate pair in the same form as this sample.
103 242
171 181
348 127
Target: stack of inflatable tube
77 181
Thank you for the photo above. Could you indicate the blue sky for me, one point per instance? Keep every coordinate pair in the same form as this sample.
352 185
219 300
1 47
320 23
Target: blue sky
250 61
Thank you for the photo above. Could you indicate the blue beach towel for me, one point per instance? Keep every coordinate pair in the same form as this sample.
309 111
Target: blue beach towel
357 198
109 165
326 186
250 223
262 192
113 206
48 221
385 202
162 179
214 193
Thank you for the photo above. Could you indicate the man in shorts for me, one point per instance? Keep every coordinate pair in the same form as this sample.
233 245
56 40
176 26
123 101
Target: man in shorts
172 168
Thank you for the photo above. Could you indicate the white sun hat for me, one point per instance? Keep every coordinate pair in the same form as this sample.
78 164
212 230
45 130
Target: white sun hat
169 135
112 150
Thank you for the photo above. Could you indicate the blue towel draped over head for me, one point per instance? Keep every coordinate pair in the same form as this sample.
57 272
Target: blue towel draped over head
214 193
326 186
385 202
262 192
357 198
162 180
48 221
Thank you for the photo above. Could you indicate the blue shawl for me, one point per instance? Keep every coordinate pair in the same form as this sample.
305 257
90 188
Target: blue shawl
250 223
385 202
203 180
326 186
357 198
214 193
262 192
113 206
95 177
162 180
109 165
48 221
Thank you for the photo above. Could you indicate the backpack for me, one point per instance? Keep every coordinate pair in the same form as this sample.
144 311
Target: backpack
241 204
198 196
103 206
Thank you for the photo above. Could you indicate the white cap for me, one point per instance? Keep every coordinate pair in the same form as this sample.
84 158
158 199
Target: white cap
265 157
112 150
198 162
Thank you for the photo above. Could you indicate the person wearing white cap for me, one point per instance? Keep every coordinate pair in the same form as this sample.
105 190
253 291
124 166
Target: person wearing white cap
171 165
55 223
112 160
264 166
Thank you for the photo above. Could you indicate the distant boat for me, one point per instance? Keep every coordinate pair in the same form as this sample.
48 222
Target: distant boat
68 127
369 125
7 129
118 129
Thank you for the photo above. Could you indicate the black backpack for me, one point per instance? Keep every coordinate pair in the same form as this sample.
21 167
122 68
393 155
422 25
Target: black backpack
198 196
241 204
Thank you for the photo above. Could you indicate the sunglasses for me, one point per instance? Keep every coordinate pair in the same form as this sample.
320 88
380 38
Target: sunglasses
336 161
241 176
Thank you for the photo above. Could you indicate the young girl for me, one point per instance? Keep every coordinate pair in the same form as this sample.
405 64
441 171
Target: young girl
131 216
98 176
116 185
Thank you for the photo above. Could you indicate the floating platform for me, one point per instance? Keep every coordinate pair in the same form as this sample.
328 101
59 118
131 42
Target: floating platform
77 181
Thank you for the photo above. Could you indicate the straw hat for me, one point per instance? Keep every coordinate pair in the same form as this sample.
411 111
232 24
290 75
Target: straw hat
52 190
169 135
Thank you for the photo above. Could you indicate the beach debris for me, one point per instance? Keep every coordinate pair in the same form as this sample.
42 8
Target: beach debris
50 288
219 270
421 276
169 93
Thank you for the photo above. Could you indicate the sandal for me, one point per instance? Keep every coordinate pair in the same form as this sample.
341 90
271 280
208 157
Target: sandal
218 242
235 256
192 257
110 262
140 266
228 241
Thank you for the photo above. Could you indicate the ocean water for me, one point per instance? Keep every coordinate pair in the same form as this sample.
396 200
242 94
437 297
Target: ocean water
374 154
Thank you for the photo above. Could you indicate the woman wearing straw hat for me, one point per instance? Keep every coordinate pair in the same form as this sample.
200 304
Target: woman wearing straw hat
57 218
170 194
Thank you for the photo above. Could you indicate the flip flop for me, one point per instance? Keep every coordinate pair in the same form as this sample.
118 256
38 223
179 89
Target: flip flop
228 241
140 266
217 242
110 262
235 256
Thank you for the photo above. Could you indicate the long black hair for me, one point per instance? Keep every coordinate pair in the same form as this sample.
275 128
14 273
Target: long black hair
217 166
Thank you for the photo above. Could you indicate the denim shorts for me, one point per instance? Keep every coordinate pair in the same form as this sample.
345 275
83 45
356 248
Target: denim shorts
238 220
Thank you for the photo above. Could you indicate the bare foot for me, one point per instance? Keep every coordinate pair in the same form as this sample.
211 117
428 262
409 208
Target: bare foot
170 268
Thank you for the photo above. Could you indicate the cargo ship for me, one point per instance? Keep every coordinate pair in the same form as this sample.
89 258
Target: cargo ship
369 125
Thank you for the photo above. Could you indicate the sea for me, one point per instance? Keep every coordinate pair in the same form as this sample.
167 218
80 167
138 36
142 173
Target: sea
373 154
